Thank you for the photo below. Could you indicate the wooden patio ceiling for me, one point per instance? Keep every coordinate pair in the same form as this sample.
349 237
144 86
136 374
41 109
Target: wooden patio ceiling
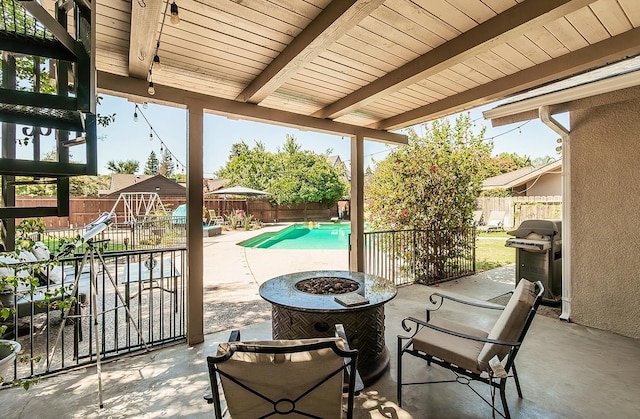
379 64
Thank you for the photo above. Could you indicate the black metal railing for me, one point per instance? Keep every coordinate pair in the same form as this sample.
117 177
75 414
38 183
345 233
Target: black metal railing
151 232
136 302
423 256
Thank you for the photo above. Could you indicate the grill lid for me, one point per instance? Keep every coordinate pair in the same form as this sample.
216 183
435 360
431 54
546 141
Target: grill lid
539 227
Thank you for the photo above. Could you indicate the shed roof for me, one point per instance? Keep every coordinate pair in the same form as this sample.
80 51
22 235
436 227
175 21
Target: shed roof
124 180
148 183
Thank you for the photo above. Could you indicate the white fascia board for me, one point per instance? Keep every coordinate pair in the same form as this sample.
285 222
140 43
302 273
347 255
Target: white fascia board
607 85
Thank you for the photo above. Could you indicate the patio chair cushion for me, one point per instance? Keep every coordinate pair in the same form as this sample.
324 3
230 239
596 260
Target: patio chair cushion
282 376
509 324
456 350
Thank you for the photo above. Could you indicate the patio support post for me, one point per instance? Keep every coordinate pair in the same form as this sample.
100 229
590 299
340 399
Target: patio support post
357 204
194 265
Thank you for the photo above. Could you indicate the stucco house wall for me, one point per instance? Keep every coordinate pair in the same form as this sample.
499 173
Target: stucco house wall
549 184
605 217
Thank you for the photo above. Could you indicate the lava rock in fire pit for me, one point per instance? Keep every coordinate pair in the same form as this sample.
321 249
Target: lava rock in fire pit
327 285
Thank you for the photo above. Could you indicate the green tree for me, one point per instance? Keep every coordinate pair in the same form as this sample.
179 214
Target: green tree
78 185
430 185
433 181
542 161
238 149
292 175
167 166
88 185
498 193
151 168
34 189
180 177
251 167
123 166
507 162
305 177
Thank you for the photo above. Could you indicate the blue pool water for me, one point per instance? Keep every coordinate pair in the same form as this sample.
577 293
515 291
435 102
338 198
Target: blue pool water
300 236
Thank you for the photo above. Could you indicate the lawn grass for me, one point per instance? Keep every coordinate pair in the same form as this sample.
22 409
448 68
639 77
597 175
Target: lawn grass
55 245
491 252
492 234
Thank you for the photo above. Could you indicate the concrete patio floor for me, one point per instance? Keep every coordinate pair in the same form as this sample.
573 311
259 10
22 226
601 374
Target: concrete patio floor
566 370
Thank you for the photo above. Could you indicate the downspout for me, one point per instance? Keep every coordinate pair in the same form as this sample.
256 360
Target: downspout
552 123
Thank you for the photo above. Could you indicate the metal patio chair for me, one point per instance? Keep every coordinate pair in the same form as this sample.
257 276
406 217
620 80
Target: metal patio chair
470 352
292 378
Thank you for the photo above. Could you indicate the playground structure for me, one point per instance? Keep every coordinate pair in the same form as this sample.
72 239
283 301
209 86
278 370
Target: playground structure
137 207
140 221
145 222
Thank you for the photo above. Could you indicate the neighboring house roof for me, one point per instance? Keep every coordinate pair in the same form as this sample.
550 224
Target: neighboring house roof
146 183
520 176
336 162
211 185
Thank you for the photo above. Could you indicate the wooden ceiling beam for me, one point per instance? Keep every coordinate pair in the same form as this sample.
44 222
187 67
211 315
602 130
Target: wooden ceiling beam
596 55
143 37
495 31
135 89
332 23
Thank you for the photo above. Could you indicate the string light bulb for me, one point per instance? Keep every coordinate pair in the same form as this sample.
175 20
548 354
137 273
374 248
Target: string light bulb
156 61
135 116
175 19
164 149
151 90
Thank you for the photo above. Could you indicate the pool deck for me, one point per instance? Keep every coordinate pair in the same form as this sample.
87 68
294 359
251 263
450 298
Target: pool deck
233 274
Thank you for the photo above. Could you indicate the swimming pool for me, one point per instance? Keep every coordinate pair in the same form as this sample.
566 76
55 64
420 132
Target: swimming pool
300 236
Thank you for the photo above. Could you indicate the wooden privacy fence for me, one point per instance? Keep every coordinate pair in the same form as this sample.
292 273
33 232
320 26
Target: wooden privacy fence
520 208
83 210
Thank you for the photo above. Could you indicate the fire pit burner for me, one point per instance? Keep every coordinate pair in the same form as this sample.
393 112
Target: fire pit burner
327 285
300 314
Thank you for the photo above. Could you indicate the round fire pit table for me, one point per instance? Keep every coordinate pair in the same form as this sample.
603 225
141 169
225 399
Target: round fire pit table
298 313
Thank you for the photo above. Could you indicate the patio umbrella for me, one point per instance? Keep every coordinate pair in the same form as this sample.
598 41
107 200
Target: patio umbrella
239 190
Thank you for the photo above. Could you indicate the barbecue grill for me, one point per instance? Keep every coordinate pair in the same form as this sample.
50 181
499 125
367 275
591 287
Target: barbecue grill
538 245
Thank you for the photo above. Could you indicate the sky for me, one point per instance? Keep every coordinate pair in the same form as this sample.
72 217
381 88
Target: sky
126 139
